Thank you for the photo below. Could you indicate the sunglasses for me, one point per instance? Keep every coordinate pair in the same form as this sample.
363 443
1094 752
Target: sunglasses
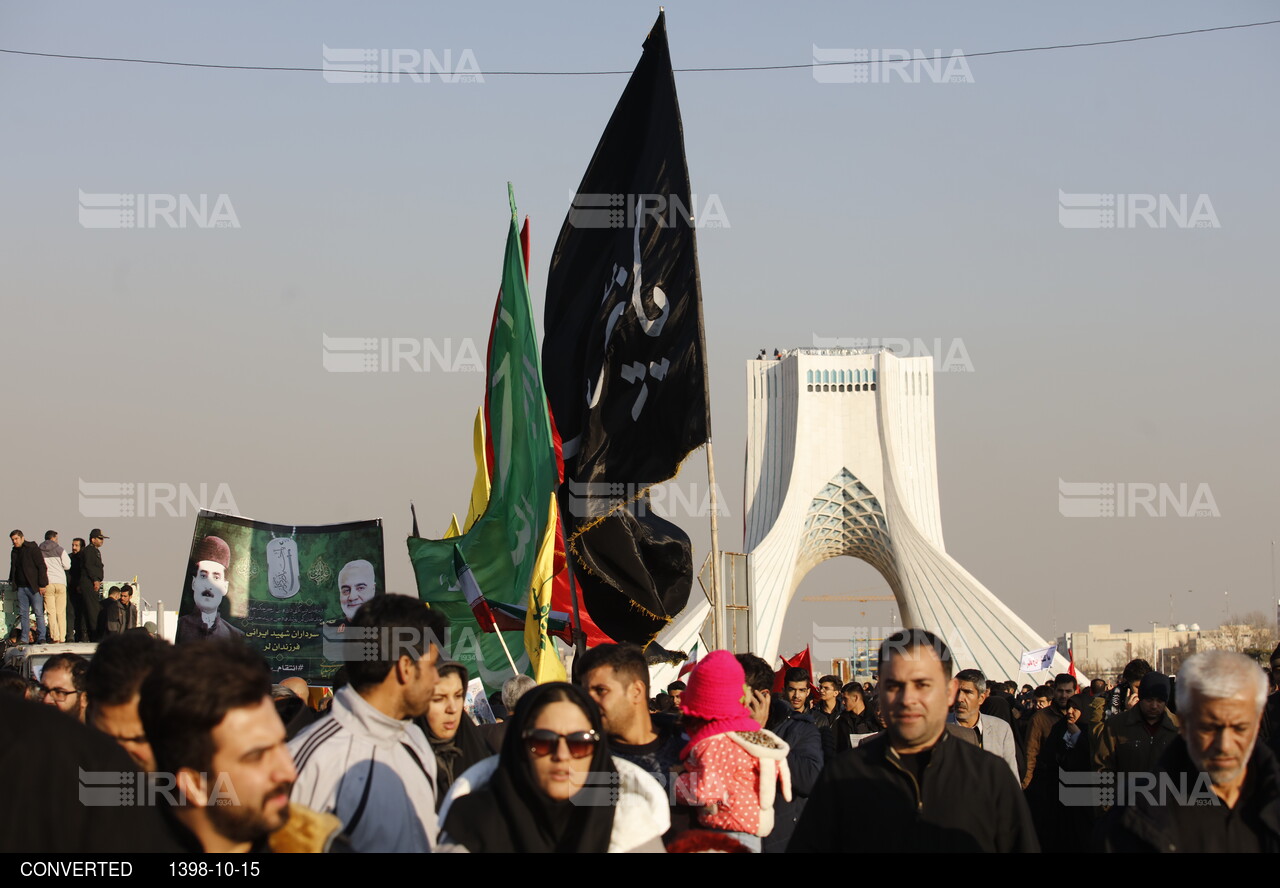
542 742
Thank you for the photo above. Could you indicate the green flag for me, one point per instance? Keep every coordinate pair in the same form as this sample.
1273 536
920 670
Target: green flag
502 546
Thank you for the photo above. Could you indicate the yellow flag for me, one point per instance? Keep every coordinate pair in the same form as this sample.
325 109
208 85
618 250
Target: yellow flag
542 651
479 487
453 530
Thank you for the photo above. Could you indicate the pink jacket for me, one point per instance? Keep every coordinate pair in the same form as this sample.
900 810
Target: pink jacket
734 778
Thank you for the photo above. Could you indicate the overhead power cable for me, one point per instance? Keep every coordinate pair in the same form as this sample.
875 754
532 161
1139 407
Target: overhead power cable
967 55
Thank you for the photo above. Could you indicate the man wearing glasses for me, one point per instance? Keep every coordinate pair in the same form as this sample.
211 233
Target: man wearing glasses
62 683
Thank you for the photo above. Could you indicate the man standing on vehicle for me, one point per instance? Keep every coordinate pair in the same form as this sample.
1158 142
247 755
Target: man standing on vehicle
91 576
27 574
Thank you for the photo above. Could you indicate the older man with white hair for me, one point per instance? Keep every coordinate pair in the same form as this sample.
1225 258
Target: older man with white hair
1218 788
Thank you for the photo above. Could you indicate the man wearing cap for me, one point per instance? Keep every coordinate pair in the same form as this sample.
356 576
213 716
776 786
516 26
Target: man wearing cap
91 575
1133 741
212 558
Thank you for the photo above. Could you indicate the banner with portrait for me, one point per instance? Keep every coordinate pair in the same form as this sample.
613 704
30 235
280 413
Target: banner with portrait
281 588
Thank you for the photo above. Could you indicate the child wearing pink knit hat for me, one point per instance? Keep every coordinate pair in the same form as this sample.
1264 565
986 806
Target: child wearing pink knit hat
733 768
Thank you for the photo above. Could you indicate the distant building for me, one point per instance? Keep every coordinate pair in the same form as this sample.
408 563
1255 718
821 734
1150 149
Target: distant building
1103 652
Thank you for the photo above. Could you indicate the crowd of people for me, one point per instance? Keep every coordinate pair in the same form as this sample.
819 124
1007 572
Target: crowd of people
737 758
63 591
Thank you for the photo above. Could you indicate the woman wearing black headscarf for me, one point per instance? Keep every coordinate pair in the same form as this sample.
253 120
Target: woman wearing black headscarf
1070 826
454 738
552 788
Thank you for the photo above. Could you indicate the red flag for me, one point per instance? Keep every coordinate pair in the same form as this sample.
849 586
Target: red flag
471 589
802 660
1071 666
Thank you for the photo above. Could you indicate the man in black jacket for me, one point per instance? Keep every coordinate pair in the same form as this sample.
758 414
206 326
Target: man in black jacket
112 614
57 798
91 576
915 788
1219 789
29 578
77 628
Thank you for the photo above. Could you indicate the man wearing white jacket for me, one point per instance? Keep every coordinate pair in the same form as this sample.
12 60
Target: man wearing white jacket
56 563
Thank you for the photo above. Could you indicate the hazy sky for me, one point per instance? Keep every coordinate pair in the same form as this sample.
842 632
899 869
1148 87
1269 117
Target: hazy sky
189 356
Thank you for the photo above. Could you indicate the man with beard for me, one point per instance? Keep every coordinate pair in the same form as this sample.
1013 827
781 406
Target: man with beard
62 682
617 678
224 746
76 620
1219 788
1064 686
357 584
212 558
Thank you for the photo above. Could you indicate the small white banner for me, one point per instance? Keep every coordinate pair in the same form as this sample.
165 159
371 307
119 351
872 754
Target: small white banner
1038 661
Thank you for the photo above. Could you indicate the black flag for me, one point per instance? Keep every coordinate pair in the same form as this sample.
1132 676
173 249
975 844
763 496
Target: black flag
623 358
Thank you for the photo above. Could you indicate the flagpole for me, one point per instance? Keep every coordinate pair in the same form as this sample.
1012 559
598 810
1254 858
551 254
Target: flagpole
717 600
506 651
579 637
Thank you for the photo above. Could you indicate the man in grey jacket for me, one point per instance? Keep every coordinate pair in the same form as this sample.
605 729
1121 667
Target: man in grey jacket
994 735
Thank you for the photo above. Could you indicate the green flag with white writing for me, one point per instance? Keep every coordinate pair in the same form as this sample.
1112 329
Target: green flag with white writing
502 546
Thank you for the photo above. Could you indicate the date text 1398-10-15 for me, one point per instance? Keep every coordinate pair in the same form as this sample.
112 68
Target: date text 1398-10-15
217 868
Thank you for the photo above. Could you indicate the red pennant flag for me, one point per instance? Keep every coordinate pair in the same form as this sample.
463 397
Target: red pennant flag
801 659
